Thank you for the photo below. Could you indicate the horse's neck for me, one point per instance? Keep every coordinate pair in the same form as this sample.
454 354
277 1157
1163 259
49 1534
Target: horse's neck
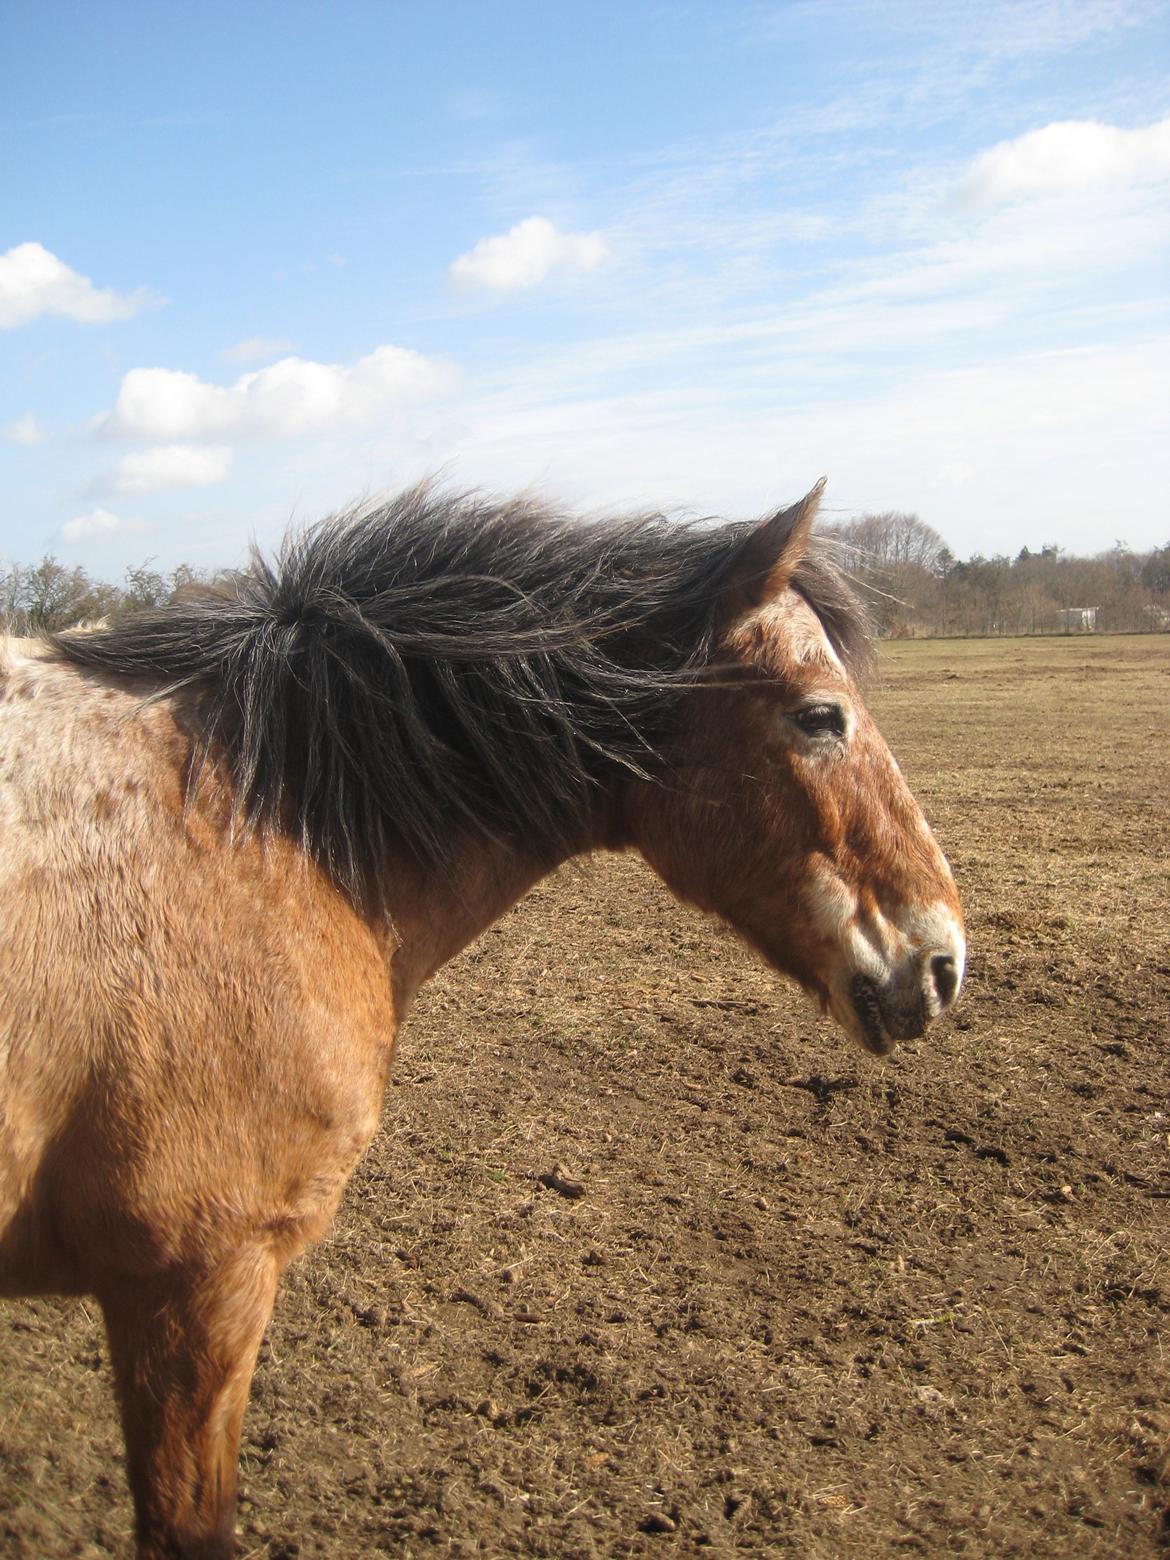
434 915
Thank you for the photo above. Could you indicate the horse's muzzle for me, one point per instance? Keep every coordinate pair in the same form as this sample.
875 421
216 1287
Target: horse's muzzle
902 1009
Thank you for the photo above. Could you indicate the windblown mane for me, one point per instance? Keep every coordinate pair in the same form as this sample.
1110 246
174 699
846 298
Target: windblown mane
436 664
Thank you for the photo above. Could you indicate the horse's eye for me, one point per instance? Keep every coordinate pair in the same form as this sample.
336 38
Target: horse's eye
821 720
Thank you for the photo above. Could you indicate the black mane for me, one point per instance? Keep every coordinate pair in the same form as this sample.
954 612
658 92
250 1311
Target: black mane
437 664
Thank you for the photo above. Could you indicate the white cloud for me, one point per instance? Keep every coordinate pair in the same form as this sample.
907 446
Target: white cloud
527 255
257 349
34 282
171 466
25 431
293 396
1067 158
99 523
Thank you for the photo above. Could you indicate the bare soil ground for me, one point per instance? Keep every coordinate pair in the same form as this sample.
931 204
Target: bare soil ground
806 1304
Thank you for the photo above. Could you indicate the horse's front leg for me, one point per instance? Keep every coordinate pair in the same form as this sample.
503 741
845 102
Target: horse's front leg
184 1348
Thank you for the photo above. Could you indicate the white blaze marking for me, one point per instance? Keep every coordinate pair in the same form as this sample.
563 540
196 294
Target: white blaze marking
936 928
878 946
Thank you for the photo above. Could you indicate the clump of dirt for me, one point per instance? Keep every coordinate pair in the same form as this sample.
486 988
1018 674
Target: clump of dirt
646 1261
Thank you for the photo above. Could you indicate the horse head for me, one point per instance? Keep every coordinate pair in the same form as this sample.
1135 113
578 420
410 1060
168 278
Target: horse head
784 811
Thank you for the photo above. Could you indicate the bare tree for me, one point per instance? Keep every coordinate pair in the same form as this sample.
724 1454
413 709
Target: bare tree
52 596
898 560
893 541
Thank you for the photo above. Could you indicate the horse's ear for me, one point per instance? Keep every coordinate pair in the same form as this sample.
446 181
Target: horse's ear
769 556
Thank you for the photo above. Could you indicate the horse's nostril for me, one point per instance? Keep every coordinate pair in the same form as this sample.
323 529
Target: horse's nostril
946 977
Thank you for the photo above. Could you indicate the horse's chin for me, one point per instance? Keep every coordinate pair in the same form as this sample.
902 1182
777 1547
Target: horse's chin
858 1011
871 1022
866 1029
861 1019
879 1017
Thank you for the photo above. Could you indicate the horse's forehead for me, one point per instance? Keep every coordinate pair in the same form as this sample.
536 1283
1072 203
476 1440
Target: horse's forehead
786 635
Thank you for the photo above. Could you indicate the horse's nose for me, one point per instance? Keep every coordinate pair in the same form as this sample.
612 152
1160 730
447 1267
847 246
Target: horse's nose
945 973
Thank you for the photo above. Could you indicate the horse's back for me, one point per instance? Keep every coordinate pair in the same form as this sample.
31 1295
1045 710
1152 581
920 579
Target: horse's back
193 1029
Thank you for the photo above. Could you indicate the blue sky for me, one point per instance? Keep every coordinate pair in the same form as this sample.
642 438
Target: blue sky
258 261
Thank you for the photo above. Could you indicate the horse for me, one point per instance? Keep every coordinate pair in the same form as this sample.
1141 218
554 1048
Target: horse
239 832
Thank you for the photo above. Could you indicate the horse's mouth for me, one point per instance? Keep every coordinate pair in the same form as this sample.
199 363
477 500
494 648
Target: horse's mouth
867 1008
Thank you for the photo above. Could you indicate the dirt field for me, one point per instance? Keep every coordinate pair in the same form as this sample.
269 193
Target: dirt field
808 1304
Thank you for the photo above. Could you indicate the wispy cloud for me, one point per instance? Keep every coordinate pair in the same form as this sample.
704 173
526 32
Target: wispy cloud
99 524
927 60
976 449
1005 30
26 432
258 349
293 396
33 282
169 466
527 255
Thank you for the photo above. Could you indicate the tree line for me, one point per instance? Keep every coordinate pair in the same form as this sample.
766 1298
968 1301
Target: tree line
42 597
912 582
